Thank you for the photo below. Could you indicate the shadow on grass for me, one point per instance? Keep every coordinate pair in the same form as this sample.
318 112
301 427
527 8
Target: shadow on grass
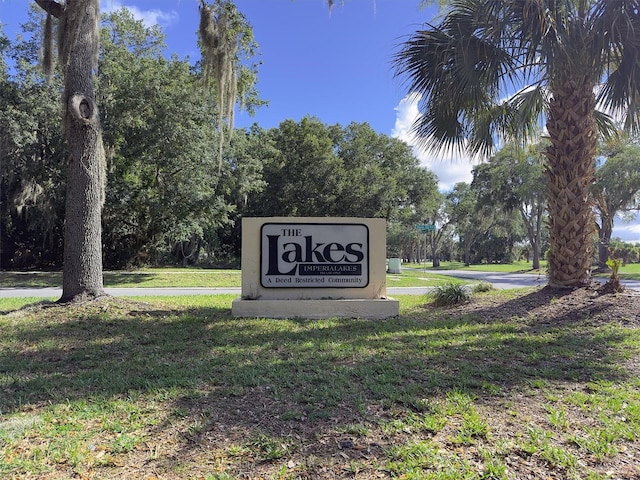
115 278
54 279
252 376
30 279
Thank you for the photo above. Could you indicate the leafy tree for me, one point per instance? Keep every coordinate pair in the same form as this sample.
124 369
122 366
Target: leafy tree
312 169
616 190
163 185
476 223
438 217
469 226
553 54
514 180
627 252
241 182
421 201
498 245
304 174
383 176
31 159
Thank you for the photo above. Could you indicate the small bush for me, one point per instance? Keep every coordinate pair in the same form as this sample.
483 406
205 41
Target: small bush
450 294
482 287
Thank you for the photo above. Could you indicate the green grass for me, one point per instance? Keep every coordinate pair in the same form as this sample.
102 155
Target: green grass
157 277
418 278
192 277
413 275
515 267
177 388
630 271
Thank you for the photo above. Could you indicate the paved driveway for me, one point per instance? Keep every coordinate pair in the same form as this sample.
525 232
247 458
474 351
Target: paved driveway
498 279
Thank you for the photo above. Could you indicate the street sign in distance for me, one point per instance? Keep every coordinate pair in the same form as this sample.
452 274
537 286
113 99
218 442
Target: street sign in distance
425 228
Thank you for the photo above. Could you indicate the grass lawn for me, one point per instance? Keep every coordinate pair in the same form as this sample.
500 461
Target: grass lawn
175 388
192 277
152 277
515 267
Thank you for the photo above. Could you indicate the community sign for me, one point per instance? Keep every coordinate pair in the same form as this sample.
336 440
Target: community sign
314 255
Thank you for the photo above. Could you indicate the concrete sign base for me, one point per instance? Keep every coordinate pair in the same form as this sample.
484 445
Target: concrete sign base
349 308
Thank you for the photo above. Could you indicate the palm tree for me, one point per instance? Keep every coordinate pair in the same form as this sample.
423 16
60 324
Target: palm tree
492 69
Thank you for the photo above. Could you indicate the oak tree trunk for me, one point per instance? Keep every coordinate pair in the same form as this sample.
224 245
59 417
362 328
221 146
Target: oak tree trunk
78 44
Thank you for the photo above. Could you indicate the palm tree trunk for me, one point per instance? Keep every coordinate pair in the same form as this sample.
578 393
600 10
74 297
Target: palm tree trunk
570 173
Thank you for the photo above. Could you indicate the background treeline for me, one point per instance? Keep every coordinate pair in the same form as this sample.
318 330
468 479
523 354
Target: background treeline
167 197
169 200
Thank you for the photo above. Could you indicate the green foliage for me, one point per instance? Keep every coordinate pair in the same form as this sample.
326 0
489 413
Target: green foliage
363 173
616 190
32 165
513 180
162 194
449 294
627 252
166 200
485 233
482 287
614 264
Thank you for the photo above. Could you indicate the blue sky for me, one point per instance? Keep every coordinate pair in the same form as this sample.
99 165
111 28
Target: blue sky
333 65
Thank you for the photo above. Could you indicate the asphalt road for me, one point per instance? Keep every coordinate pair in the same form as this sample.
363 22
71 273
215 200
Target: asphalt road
499 280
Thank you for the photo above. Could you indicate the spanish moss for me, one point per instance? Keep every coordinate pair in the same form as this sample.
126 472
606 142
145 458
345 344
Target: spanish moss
220 40
47 47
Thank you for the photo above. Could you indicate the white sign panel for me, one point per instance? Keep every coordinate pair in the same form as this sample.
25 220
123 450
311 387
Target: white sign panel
318 255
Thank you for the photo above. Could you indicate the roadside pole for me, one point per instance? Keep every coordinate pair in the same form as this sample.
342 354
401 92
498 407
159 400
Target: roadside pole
425 228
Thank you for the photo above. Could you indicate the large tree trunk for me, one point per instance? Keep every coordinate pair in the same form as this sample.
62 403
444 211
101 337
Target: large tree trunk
467 251
605 231
435 261
533 224
79 37
604 235
570 172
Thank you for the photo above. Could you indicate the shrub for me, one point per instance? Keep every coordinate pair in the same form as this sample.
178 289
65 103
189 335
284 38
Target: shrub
482 287
450 294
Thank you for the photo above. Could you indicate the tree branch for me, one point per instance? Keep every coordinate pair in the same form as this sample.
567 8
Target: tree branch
51 7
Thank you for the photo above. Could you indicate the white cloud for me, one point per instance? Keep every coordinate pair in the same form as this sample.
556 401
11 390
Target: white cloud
629 232
148 17
450 168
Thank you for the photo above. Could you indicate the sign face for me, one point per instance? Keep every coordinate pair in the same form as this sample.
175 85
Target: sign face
317 255
425 228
